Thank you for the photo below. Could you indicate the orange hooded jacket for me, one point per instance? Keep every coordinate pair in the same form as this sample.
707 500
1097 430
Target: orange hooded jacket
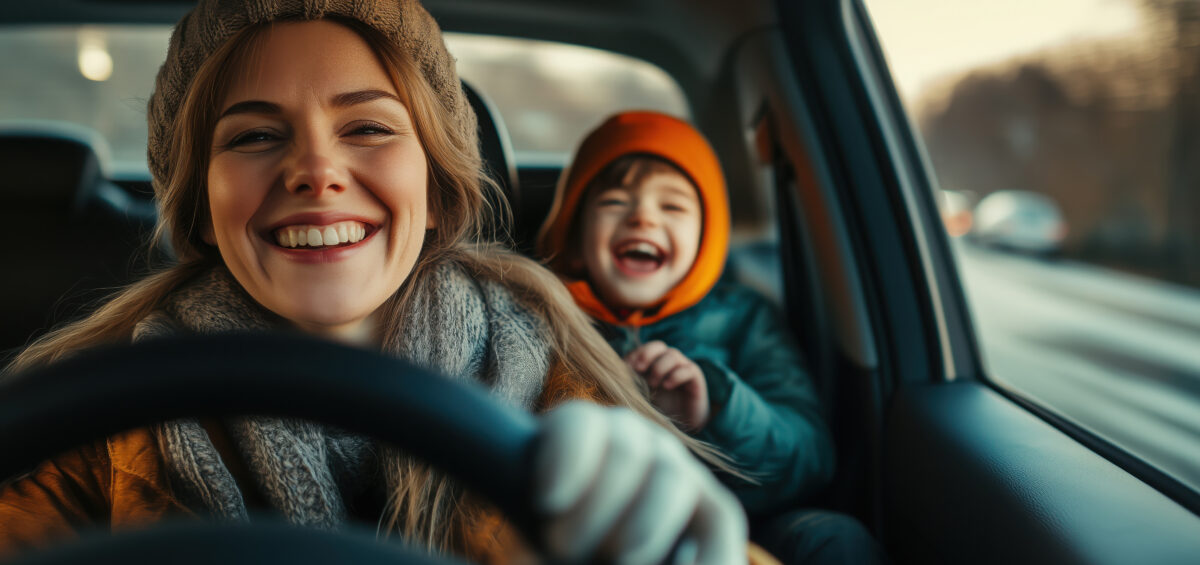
649 133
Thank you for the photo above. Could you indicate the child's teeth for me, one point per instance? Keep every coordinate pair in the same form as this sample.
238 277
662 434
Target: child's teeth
641 247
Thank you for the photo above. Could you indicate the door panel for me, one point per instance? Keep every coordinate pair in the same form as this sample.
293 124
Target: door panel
969 475
974 478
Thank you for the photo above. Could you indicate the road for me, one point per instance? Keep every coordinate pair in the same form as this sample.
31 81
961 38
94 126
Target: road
1116 353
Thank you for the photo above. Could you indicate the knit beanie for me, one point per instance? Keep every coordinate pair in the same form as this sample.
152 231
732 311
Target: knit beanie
202 31
666 137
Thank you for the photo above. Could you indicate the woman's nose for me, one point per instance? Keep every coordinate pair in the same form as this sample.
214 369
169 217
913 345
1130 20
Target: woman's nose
313 168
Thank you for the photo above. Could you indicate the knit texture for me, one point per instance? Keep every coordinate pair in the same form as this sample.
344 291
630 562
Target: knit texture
202 31
463 328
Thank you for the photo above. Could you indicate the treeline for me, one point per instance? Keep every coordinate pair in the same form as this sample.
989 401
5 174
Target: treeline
1108 129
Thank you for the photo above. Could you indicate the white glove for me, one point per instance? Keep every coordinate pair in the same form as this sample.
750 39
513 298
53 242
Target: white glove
614 486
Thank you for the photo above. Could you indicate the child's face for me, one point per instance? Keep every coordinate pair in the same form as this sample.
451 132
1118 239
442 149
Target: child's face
640 239
314 143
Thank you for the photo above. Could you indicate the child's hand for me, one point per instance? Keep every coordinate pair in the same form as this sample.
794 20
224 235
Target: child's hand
677 386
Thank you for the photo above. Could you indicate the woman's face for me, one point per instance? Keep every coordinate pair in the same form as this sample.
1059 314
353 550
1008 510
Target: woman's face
317 181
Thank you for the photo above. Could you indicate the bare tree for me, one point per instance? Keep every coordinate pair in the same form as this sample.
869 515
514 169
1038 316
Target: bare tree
1179 23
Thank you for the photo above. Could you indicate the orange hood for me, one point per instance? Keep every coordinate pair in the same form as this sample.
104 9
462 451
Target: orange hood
671 139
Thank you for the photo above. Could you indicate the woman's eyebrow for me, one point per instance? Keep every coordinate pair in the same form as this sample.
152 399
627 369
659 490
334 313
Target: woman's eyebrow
252 107
361 97
341 100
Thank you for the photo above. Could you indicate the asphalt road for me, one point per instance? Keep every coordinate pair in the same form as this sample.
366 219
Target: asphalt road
1116 353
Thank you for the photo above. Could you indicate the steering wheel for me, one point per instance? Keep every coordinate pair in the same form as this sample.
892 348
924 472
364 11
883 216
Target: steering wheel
455 427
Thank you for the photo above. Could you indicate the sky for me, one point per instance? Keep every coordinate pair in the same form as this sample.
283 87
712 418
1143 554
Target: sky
927 40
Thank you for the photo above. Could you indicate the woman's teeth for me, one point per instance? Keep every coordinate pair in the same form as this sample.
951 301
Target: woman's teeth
320 236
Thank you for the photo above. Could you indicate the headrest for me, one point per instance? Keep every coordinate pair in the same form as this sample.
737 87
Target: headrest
494 146
49 164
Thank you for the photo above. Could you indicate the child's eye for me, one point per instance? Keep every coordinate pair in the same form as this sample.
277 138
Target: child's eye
607 202
674 208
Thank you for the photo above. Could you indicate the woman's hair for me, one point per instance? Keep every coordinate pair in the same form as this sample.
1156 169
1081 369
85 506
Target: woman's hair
428 508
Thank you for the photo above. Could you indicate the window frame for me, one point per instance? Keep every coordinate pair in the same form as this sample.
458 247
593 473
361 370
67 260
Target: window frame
918 184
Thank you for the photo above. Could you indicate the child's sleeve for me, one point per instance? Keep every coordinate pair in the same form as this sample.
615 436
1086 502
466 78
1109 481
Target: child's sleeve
766 412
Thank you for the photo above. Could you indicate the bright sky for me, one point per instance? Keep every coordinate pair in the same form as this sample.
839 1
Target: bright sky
929 39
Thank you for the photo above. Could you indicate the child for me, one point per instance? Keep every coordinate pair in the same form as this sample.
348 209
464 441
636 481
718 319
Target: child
639 231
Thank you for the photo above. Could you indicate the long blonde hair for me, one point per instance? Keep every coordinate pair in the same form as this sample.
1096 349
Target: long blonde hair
427 508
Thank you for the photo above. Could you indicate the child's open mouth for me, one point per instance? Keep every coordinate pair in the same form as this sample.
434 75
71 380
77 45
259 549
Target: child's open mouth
331 236
639 257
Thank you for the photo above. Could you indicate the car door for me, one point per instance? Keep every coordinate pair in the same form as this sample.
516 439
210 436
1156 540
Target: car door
958 467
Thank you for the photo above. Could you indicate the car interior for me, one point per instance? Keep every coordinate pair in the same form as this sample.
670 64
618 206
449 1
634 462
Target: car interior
56 178
833 211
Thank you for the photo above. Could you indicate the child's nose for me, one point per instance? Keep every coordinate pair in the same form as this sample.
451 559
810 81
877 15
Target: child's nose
643 214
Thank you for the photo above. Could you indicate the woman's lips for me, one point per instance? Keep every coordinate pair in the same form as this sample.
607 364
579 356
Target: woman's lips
295 240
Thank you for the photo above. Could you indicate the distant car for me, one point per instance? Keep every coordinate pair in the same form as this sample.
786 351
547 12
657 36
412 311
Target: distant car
955 208
1019 220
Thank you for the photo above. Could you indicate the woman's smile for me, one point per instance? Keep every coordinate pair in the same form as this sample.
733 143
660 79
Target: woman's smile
320 237
341 234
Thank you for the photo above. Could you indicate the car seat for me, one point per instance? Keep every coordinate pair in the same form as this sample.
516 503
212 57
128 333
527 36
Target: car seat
496 151
72 234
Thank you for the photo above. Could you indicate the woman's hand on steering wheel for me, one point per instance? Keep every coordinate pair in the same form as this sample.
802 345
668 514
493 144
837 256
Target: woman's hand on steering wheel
610 483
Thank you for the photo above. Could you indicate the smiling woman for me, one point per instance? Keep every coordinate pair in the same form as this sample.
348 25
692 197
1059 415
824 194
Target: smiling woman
314 140
271 121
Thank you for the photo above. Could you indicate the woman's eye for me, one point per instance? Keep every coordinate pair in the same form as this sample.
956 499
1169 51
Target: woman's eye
370 128
606 202
674 208
251 138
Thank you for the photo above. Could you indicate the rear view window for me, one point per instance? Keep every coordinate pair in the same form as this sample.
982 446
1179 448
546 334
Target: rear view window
96 76
548 94
551 94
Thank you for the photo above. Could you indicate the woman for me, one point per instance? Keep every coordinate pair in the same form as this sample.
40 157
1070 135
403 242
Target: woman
317 168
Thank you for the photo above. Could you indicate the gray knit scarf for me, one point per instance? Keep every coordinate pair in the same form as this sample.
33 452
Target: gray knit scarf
457 325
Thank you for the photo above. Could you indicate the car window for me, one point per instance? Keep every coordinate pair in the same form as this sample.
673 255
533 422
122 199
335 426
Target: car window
549 94
1065 138
96 76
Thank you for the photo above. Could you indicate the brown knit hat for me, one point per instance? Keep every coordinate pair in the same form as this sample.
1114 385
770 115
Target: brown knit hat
212 22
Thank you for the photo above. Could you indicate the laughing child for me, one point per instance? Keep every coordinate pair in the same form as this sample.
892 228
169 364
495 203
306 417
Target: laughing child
639 231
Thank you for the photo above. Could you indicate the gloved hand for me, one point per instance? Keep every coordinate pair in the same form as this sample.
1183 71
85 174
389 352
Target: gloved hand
614 487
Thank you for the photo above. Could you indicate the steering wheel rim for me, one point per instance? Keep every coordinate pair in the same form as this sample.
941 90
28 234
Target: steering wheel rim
456 427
